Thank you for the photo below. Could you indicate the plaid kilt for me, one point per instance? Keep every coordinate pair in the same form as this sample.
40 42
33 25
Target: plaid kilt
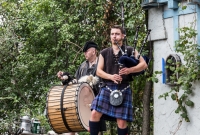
102 104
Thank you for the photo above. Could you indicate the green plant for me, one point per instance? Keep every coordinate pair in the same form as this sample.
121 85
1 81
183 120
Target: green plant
189 71
44 122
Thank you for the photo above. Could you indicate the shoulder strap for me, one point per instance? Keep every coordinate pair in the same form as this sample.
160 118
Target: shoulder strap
95 68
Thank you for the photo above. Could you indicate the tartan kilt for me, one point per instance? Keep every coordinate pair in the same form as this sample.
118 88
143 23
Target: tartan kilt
102 104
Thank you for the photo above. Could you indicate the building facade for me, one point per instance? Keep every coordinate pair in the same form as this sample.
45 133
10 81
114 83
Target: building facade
164 19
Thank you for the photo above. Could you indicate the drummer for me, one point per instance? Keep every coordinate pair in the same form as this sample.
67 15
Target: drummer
87 68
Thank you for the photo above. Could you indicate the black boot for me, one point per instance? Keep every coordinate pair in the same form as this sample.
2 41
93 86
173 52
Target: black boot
122 131
94 127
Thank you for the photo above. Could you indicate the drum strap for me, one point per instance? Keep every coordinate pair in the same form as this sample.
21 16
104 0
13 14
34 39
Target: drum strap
95 68
63 109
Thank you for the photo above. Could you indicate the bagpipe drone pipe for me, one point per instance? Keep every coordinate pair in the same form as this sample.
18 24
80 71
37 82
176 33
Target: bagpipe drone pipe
130 61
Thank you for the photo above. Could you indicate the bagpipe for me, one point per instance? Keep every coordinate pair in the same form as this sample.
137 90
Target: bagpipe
130 61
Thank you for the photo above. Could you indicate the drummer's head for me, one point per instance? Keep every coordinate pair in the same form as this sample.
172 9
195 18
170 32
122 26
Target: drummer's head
90 50
88 45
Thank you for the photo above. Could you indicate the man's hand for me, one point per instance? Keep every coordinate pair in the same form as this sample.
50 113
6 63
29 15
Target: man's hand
116 78
124 71
60 75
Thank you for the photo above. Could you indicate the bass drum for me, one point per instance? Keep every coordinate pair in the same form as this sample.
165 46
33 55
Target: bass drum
68 107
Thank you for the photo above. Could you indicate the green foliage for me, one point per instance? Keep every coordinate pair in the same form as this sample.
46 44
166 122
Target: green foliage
137 94
154 78
189 71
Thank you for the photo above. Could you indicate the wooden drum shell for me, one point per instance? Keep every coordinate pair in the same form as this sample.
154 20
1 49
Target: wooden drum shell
68 107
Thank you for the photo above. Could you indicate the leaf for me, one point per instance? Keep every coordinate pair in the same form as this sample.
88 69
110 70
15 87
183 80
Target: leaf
184 115
189 103
188 91
155 80
184 7
172 68
173 96
177 110
158 72
169 61
8 88
194 76
161 96
183 97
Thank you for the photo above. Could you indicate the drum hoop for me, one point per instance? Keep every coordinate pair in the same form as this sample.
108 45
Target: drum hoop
77 109
62 110
77 105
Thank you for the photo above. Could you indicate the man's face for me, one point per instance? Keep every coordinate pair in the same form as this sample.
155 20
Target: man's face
89 53
116 36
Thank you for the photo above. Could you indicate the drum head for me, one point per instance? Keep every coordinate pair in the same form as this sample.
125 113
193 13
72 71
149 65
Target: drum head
85 98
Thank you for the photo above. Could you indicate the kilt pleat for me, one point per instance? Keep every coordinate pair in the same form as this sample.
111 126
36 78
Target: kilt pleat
124 111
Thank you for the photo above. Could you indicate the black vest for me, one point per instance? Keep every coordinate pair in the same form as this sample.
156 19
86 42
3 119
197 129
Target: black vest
111 65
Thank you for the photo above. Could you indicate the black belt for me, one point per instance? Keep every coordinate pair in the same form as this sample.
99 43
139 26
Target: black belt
112 83
103 84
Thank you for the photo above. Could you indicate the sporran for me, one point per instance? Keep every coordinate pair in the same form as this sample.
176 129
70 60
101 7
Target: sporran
116 98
